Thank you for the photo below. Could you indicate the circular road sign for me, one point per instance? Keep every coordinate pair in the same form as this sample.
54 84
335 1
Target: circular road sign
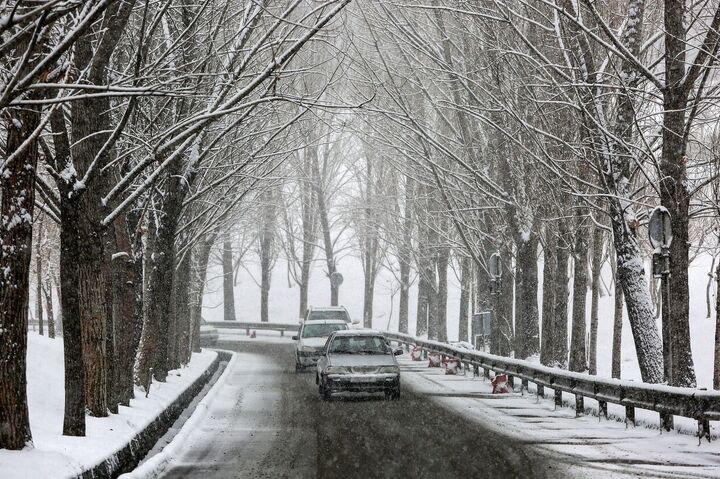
336 279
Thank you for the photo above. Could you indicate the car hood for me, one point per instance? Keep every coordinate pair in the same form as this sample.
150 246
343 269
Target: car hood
313 342
362 360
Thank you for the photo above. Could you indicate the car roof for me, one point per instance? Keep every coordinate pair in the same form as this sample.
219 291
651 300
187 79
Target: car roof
325 321
358 332
327 308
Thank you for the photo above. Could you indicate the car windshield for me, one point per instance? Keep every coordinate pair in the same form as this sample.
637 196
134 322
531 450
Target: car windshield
359 345
321 330
329 314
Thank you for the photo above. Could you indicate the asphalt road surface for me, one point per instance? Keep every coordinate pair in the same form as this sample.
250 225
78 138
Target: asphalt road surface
269 422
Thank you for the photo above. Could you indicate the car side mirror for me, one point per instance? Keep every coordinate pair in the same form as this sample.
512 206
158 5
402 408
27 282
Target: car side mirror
398 352
295 338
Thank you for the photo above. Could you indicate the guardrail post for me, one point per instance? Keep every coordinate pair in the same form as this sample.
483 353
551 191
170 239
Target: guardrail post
282 332
511 382
525 386
630 415
247 332
541 390
602 409
666 421
579 405
558 398
703 429
486 373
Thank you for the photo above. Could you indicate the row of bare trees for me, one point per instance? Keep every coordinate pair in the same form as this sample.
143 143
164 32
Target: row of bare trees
141 130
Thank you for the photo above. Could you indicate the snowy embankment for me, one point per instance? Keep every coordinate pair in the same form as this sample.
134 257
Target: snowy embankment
58 456
587 447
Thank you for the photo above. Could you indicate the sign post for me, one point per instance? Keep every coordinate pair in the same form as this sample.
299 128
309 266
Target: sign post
336 279
660 232
495 269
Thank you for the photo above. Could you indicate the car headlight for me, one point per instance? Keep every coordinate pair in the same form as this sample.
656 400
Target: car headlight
337 370
389 370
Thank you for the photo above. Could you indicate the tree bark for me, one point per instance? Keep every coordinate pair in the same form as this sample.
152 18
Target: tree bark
228 287
442 294
716 373
197 290
526 283
17 206
267 240
560 321
548 300
404 258
578 357
38 280
465 289
617 332
598 245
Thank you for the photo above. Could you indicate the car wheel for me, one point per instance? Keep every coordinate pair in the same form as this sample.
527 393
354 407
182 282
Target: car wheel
324 392
393 394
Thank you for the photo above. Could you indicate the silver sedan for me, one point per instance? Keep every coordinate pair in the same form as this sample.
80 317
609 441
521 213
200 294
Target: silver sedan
358 361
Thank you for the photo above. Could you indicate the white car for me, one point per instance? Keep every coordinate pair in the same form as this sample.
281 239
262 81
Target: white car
311 340
358 361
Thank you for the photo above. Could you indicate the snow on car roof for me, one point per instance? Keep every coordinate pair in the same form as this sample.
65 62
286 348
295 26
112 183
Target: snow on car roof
358 332
327 308
325 321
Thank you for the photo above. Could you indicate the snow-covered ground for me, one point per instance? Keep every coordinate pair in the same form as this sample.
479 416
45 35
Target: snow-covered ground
55 455
587 446
284 301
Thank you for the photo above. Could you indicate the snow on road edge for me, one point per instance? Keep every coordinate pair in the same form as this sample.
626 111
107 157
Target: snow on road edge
155 465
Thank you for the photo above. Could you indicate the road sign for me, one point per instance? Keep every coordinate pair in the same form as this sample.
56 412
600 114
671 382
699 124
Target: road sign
336 279
495 266
660 228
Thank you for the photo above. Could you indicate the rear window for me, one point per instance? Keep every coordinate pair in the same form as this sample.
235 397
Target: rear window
359 345
321 330
329 314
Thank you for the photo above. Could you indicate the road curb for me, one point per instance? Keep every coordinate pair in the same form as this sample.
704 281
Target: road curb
129 456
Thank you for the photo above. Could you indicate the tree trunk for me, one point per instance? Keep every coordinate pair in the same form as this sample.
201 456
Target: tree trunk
38 280
228 287
17 206
674 193
404 258
560 321
617 332
309 219
598 245
465 289
123 279
526 284
502 337
548 300
421 317
74 416
182 310
716 374
47 293
442 294
578 357
320 200
197 290
267 240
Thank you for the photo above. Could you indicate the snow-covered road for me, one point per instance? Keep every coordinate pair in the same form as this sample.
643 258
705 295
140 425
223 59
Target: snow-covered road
267 421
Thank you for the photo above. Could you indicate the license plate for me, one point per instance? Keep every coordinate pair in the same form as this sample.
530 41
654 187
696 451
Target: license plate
360 380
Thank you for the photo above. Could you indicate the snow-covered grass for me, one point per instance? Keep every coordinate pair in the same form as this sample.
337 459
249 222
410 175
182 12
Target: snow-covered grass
586 446
58 456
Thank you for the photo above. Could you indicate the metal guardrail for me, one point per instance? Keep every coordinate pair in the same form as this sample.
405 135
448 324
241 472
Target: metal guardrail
282 327
698 404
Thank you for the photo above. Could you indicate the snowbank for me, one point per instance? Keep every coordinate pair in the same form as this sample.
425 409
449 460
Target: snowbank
55 455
